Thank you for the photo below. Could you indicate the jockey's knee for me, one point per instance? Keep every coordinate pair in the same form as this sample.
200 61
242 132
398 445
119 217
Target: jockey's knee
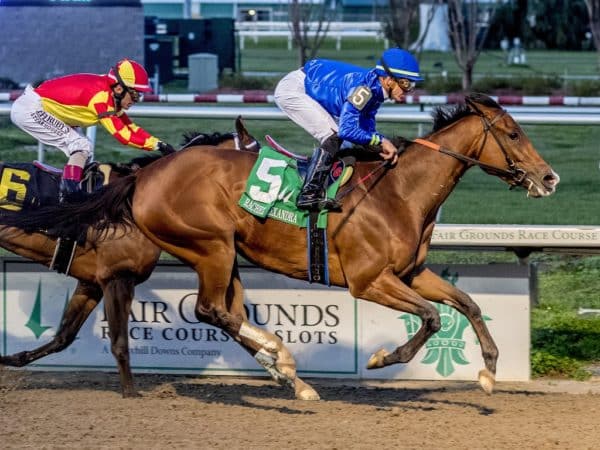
331 144
80 151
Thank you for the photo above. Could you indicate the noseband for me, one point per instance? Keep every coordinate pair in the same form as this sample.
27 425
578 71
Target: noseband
513 173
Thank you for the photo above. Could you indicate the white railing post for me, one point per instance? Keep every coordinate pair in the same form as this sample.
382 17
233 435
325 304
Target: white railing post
91 135
40 155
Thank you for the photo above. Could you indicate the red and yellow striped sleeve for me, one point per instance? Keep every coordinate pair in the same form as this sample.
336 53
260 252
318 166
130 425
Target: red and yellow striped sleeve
121 126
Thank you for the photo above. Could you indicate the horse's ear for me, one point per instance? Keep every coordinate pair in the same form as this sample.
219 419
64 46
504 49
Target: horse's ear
475 101
240 128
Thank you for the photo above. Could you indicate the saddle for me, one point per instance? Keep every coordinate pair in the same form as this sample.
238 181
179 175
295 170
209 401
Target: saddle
302 162
95 175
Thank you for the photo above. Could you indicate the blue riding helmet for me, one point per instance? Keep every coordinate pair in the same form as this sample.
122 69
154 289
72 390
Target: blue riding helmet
398 63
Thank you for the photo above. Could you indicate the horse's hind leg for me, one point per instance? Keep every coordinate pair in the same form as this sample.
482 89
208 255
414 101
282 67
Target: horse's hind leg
436 289
82 303
118 294
265 347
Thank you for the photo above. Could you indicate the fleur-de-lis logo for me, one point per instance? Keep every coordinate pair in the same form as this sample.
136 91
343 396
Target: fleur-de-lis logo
446 346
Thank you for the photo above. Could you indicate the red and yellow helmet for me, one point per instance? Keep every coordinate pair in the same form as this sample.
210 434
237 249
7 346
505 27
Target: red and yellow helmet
131 75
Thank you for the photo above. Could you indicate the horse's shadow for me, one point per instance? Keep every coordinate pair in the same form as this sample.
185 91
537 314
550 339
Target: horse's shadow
254 393
380 398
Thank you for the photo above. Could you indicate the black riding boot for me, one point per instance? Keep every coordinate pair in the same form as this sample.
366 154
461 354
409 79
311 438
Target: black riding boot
69 190
313 196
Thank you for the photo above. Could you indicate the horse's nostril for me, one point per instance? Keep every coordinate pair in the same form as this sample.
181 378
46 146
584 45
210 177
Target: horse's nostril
550 180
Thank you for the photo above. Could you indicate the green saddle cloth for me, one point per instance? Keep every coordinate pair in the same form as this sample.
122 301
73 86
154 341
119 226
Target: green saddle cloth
273 186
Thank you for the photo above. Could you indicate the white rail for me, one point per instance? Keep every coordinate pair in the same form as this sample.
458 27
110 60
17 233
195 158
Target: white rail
336 30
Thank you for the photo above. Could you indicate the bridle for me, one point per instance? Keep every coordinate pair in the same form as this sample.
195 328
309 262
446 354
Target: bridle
254 146
513 173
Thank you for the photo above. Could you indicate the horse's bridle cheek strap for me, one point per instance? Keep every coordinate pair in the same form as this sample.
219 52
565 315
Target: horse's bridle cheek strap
514 173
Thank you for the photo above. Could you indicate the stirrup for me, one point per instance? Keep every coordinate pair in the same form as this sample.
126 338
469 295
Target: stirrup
317 203
69 190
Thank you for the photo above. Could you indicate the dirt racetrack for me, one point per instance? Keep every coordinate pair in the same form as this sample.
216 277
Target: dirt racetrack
85 410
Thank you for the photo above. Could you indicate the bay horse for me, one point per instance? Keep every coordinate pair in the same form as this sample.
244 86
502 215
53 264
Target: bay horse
109 268
377 244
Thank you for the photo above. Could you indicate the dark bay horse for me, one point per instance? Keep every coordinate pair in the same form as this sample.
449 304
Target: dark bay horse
108 268
377 244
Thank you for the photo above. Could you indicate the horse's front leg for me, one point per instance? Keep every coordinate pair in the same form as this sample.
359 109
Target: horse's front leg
434 288
388 290
82 303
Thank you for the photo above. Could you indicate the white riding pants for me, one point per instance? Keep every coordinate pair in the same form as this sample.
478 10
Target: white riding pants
28 114
290 96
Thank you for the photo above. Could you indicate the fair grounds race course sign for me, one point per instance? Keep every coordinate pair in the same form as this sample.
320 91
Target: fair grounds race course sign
530 236
330 333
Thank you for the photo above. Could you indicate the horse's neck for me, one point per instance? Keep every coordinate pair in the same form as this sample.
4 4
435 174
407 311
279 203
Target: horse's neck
431 176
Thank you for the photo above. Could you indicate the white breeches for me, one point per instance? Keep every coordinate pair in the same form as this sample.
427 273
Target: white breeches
292 99
28 114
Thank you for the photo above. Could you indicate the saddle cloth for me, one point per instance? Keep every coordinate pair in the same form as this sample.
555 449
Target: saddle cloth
273 186
31 185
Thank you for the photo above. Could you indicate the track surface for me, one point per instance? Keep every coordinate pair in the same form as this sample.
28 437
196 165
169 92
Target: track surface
85 410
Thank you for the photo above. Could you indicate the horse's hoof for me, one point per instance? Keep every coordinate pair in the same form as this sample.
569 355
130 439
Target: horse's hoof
376 360
132 394
305 392
487 380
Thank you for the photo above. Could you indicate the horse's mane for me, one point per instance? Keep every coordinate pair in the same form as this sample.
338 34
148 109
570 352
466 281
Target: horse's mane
446 115
196 138
134 164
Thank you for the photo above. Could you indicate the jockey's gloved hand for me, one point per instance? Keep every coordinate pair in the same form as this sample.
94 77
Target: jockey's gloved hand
164 148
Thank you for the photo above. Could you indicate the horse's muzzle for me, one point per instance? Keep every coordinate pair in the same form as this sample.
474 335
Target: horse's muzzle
542 186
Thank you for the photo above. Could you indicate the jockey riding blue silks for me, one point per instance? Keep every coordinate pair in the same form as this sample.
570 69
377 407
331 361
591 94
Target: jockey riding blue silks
335 101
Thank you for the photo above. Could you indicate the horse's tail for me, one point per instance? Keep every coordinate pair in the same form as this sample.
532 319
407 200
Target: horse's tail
101 211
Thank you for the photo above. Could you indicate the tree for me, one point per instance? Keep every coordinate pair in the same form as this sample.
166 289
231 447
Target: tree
402 24
309 23
469 24
398 26
593 7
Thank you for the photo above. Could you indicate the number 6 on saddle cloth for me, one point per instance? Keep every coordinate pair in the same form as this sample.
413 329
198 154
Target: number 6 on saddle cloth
26 186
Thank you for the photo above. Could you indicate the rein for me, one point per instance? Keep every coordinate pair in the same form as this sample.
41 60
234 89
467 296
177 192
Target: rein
513 173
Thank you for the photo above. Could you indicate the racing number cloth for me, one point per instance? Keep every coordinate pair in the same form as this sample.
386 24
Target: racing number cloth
22 185
273 186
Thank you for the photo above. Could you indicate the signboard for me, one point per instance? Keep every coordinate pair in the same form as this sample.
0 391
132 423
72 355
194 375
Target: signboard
329 333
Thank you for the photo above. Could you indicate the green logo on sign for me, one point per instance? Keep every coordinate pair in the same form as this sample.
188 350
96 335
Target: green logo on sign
446 346
35 319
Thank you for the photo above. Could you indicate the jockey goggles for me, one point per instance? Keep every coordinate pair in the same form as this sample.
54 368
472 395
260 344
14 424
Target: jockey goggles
404 83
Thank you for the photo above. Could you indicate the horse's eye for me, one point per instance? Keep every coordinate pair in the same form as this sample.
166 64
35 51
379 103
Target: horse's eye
514 135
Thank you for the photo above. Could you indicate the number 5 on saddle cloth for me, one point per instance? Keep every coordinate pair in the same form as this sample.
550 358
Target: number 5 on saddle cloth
271 191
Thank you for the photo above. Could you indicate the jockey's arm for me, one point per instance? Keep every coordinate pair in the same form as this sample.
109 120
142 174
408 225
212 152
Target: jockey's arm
359 127
126 132
351 127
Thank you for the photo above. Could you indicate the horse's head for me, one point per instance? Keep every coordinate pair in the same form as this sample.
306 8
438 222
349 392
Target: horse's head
505 146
